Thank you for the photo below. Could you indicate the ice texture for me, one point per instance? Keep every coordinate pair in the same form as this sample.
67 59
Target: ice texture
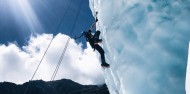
146 44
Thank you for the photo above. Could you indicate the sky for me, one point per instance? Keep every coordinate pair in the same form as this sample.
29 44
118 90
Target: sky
26 28
21 18
149 50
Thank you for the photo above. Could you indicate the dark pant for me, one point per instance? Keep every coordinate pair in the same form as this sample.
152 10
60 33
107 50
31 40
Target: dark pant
101 51
98 47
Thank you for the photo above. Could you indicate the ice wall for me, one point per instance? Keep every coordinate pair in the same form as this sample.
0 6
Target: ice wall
188 74
146 43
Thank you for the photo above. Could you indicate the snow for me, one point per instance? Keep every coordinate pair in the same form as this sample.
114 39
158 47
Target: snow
188 74
146 44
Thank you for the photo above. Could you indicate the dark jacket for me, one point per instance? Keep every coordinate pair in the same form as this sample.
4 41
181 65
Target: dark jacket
89 37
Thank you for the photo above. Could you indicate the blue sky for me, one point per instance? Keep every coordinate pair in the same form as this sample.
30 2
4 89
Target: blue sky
44 17
26 28
149 45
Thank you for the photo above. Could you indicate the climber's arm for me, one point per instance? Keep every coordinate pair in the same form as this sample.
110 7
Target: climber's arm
93 25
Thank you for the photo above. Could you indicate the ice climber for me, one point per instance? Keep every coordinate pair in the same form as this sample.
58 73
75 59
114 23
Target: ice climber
94 40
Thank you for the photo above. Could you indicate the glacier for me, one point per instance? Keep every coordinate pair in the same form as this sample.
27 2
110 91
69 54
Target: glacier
146 44
187 85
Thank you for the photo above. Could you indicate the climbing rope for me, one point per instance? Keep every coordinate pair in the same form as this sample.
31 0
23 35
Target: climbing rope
48 47
68 40
98 23
96 13
64 50
60 60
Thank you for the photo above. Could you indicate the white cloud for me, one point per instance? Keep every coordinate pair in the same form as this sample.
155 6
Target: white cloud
80 65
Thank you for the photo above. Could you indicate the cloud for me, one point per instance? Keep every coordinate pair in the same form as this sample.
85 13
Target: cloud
18 65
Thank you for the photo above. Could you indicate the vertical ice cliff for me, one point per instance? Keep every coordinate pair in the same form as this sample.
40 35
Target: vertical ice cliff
146 43
188 74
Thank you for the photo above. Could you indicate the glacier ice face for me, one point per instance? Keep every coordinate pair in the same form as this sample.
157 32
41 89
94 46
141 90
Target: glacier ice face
146 43
187 85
